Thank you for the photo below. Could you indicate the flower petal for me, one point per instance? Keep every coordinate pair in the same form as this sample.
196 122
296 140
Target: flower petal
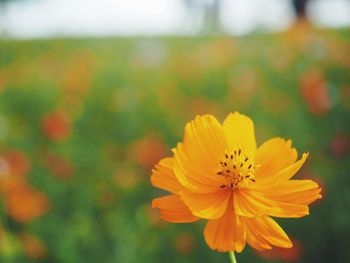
291 170
163 176
204 141
254 240
193 176
207 205
262 232
291 198
250 203
274 155
239 131
289 210
282 176
301 192
172 209
226 233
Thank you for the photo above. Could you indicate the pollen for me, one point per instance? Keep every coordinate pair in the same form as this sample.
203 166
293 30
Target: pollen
237 167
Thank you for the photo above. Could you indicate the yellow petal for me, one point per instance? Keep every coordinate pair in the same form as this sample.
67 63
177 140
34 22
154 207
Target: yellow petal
239 131
290 198
193 176
267 181
291 170
253 239
250 203
163 176
289 210
273 156
295 191
262 232
204 141
172 209
207 205
226 233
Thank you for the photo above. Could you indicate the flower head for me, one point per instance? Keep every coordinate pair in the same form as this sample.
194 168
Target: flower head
22 202
56 125
218 173
33 246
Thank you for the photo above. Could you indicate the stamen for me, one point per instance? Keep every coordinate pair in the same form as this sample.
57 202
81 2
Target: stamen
237 167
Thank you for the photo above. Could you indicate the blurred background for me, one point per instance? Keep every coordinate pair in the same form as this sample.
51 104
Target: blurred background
94 93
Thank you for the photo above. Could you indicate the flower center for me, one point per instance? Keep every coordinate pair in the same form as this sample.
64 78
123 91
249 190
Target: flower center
237 167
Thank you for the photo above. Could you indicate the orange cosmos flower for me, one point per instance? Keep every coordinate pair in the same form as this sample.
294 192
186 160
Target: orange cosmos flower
60 166
148 150
56 125
22 202
218 173
33 246
283 254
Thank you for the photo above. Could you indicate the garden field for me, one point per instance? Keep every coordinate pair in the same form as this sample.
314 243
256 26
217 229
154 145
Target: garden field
83 121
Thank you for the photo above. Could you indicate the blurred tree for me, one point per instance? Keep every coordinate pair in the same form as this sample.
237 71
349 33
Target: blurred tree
204 15
2 13
300 8
2 2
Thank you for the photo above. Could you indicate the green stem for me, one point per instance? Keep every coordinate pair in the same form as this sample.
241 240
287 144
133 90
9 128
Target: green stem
232 257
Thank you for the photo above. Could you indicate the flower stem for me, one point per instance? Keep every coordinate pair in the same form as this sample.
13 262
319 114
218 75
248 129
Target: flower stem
232 257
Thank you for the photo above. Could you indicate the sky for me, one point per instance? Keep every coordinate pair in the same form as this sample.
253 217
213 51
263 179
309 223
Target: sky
47 18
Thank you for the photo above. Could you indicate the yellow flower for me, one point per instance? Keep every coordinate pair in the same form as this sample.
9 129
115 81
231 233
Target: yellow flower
218 173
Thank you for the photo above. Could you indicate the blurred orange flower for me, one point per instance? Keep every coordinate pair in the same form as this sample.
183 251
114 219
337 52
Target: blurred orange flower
315 92
56 125
340 144
61 167
17 161
147 151
33 246
285 254
22 202
184 243
218 173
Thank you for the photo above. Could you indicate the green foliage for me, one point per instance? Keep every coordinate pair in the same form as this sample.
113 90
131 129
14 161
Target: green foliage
127 101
